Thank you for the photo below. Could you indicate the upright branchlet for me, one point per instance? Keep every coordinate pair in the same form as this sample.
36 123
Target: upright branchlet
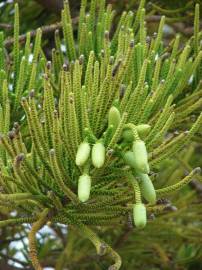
120 97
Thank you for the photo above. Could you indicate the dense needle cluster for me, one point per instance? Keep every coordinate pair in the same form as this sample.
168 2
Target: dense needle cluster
95 123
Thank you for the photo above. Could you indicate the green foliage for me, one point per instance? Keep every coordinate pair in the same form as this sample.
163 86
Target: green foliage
20 70
118 95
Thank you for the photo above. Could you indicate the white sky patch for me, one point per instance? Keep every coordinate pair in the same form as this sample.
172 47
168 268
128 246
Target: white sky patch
12 12
23 117
30 58
2 4
63 228
191 79
167 29
6 2
156 57
19 246
13 214
10 262
10 87
63 48
48 231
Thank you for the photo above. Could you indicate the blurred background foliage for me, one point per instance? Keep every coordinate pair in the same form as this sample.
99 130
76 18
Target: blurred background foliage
36 13
174 239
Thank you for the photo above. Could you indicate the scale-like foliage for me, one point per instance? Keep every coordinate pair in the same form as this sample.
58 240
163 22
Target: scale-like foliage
104 121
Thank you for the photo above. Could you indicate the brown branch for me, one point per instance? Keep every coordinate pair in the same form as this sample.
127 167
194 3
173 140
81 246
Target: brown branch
46 30
122 238
153 18
32 239
52 5
197 186
125 233
5 26
56 6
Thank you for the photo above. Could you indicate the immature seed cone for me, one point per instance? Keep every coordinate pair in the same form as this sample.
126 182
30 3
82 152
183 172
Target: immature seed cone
127 135
98 155
82 154
143 130
129 159
114 117
147 188
84 186
140 156
139 215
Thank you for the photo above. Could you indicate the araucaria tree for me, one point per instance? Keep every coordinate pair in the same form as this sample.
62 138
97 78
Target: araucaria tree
82 136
